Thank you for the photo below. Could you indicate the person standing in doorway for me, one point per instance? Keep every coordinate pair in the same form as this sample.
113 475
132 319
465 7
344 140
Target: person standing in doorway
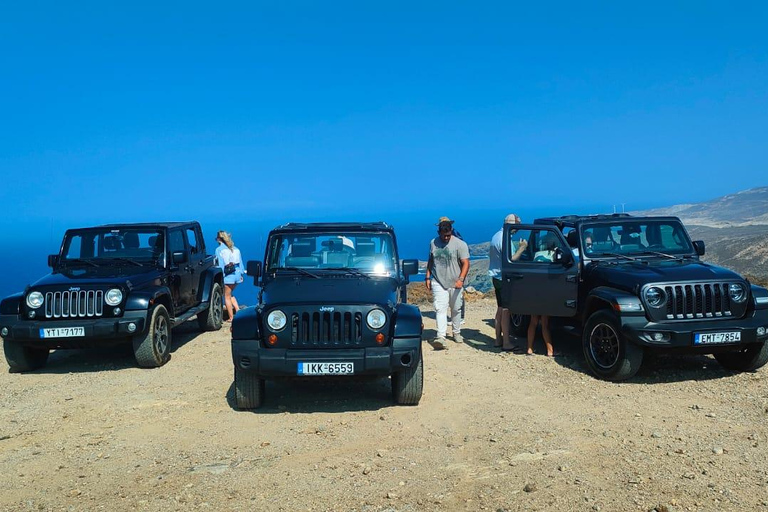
501 322
447 269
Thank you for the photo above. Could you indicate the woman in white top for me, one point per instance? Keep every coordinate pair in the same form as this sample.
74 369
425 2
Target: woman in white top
227 253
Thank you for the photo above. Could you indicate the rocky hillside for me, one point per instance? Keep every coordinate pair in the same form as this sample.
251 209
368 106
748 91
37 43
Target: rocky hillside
745 208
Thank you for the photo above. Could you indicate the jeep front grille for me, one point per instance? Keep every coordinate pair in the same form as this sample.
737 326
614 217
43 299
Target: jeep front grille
75 304
326 327
705 300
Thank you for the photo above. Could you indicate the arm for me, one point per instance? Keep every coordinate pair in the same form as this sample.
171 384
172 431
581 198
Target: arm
521 247
428 278
464 271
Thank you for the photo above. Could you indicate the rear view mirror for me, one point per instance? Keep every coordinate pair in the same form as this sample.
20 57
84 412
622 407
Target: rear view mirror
410 267
179 257
700 247
53 260
253 269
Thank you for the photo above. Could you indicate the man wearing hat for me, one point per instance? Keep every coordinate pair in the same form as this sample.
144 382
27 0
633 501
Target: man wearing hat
446 271
494 270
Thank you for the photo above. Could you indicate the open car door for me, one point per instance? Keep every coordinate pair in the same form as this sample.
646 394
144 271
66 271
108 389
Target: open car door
538 270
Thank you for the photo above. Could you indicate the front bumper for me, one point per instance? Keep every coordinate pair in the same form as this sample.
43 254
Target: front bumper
251 356
681 335
98 332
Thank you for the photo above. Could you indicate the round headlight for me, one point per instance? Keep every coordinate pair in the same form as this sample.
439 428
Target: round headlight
655 296
113 297
276 320
35 300
737 292
376 319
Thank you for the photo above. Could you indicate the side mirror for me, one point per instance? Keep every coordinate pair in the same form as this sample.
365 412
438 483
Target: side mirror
700 247
253 269
562 257
179 257
410 267
53 260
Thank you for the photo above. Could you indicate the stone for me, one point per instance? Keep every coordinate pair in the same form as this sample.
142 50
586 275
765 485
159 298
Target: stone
530 487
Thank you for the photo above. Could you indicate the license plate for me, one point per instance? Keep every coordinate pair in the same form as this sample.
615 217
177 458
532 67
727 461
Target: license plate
712 338
62 332
326 368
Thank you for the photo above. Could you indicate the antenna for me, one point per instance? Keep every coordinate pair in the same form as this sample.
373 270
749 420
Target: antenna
622 207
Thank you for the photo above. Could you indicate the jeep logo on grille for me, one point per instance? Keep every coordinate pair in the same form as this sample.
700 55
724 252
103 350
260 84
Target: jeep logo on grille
327 309
74 289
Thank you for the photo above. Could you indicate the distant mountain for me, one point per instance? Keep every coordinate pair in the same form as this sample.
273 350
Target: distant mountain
746 208
734 228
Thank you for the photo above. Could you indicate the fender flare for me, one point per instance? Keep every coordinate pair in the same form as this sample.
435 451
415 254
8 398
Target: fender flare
605 297
11 305
245 325
143 300
207 278
407 321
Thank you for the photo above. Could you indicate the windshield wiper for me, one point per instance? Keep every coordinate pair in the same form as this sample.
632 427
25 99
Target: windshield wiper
348 270
657 253
129 260
80 260
301 271
617 255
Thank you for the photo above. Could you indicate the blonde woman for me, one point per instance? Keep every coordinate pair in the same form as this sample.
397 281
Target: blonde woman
231 263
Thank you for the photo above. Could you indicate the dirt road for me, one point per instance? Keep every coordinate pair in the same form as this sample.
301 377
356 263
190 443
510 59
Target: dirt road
494 431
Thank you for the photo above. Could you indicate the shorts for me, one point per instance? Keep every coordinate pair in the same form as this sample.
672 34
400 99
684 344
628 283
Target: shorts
497 289
235 277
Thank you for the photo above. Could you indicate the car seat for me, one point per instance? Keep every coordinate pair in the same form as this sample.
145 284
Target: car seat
364 255
301 256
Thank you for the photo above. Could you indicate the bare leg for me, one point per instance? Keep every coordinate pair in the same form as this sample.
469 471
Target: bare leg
235 304
505 328
497 325
547 336
532 332
228 301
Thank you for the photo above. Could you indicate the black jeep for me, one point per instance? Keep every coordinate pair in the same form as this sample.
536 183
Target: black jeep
111 284
630 284
332 303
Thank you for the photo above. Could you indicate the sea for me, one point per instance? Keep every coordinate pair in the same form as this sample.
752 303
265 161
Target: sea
25 245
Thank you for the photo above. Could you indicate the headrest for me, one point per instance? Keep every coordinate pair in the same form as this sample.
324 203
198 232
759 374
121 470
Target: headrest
111 243
365 248
131 240
572 238
301 249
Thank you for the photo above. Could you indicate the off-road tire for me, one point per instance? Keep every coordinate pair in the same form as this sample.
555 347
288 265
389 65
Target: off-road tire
408 385
212 318
24 359
609 354
154 348
518 325
751 357
249 389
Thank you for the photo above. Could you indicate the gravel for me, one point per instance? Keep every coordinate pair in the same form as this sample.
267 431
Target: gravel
93 432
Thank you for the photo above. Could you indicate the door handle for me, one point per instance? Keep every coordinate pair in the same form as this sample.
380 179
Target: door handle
514 275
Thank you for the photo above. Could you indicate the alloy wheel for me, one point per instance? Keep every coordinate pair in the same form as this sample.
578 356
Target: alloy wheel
604 345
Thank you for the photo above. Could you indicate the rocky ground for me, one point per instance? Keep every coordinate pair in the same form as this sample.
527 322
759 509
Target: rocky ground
494 431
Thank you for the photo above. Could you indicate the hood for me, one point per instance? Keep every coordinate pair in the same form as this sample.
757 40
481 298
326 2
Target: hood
629 274
329 290
128 276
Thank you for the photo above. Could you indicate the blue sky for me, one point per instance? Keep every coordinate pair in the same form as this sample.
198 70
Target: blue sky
301 110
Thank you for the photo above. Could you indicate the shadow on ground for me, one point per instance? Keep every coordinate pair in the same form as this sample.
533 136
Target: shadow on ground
112 358
307 395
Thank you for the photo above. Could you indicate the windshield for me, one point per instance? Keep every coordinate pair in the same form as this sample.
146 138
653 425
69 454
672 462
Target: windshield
136 244
637 237
365 252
